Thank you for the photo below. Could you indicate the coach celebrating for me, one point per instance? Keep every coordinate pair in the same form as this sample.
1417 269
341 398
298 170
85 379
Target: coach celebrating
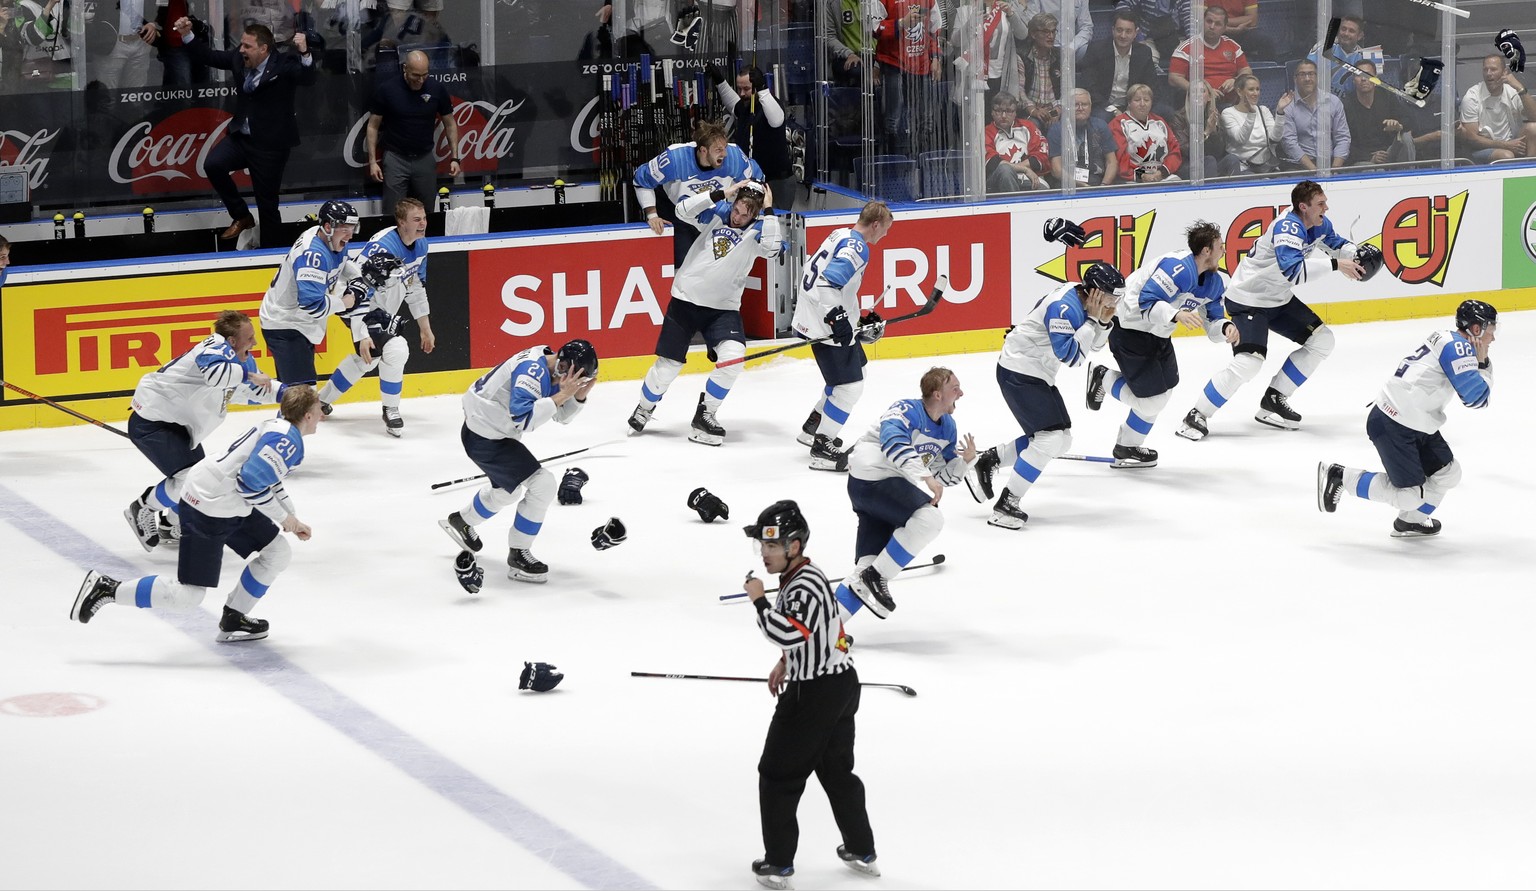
405 112
264 129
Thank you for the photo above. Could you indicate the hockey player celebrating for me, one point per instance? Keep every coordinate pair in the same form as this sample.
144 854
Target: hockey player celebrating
706 298
238 501
303 294
525 391
1404 424
376 322
818 692
1062 329
708 163
897 472
1178 288
1261 299
177 406
828 302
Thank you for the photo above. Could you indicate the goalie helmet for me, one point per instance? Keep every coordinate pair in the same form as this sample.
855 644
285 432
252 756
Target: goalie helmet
1475 312
1370 258
780 522
1103 277
577 354
337 212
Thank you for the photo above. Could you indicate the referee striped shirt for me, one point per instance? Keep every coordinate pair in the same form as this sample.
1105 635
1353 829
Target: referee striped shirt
804 622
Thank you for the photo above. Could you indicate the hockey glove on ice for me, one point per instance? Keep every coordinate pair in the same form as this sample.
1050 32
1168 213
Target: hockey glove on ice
609 534
469 572
540 677
709 507
842 329
570 485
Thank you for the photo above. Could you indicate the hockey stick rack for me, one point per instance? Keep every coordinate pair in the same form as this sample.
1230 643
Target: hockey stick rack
939 287
69 411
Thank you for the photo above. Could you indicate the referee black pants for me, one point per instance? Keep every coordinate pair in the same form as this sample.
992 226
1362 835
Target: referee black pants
812 732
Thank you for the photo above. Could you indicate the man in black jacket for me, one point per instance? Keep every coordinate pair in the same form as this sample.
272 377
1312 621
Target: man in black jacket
759 130
1110 67
264 129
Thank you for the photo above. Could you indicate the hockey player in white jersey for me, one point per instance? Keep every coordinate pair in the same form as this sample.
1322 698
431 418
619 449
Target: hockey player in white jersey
375 324
1062 328
535 386
238 501
1405 420
1178 288
827 304
706 298
1261 299
707 163
304 293
177 406
897 472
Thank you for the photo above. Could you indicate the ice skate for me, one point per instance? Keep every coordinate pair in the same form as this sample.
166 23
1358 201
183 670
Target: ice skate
1275 410
705 430
641 416
462 533
169 527
1330 485
1095 398
525 567
870 587
393 424
865 864
142 520
807 435
95 592
979 480
1195 426
235 627
770 876
1006 513
1133 456
828 455
1405 529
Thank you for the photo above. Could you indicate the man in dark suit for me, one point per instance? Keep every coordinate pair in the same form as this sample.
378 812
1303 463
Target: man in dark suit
264 129
1111 67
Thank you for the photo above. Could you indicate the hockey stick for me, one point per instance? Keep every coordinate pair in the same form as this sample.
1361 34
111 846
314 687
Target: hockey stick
938 560
69 411
478 476
1096 458
1451 9
1333 33
715 677
939 288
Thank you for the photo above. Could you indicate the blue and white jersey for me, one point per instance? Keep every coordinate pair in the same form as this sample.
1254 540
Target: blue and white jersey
832 278
250 475
1282 259
408 286
676 172
514 397
303 293
907 442
1168 285
716 268
195 388
1417 393
1055 332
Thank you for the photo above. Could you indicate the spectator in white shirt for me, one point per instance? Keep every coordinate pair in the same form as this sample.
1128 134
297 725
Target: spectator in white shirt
1496 115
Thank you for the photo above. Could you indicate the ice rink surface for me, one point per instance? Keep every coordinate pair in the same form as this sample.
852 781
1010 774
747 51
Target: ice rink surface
1182 677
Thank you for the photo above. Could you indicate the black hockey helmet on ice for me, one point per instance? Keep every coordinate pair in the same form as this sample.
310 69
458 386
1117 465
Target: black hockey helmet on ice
780 522
336 212
1370 259
1104 277
577 354
1475 312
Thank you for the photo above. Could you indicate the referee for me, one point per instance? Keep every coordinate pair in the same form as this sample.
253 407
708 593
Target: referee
818 692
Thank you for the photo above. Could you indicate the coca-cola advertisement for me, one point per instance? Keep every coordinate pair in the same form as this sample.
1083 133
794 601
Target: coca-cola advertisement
103 146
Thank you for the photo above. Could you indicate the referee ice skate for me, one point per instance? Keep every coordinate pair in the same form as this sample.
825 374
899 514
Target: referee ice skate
818 692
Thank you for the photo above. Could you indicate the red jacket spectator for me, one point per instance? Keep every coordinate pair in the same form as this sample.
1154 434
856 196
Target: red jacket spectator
1023 141
1148 149
906 37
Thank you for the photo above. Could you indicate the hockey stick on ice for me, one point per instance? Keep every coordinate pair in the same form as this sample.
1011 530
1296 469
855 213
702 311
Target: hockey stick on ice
938 560
1099 459
715 677
1333 33
1450 9
939 288
478 476
69 411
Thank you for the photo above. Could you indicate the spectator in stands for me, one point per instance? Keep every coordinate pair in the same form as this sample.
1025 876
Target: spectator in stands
402 133
180 69
1242 19
1378 130
276 15
264 129
1496 115
126 66
12 47
1112 65
759 131
1299 133
1252 132
1081 31
907 48
1163 22
1093 157
1148 149
1224 60
1213 140
847 34
1017 155
1348 47
1039 72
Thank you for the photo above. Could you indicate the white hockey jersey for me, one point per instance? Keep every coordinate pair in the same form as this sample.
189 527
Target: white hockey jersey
406 287
716 268
195 388
832 278
1168 285
906 442
250 475
1444 364
677 173
1055 332
514 397
1281 259
304 293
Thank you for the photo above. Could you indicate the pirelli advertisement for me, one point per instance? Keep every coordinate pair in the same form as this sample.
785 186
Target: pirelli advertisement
82 334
